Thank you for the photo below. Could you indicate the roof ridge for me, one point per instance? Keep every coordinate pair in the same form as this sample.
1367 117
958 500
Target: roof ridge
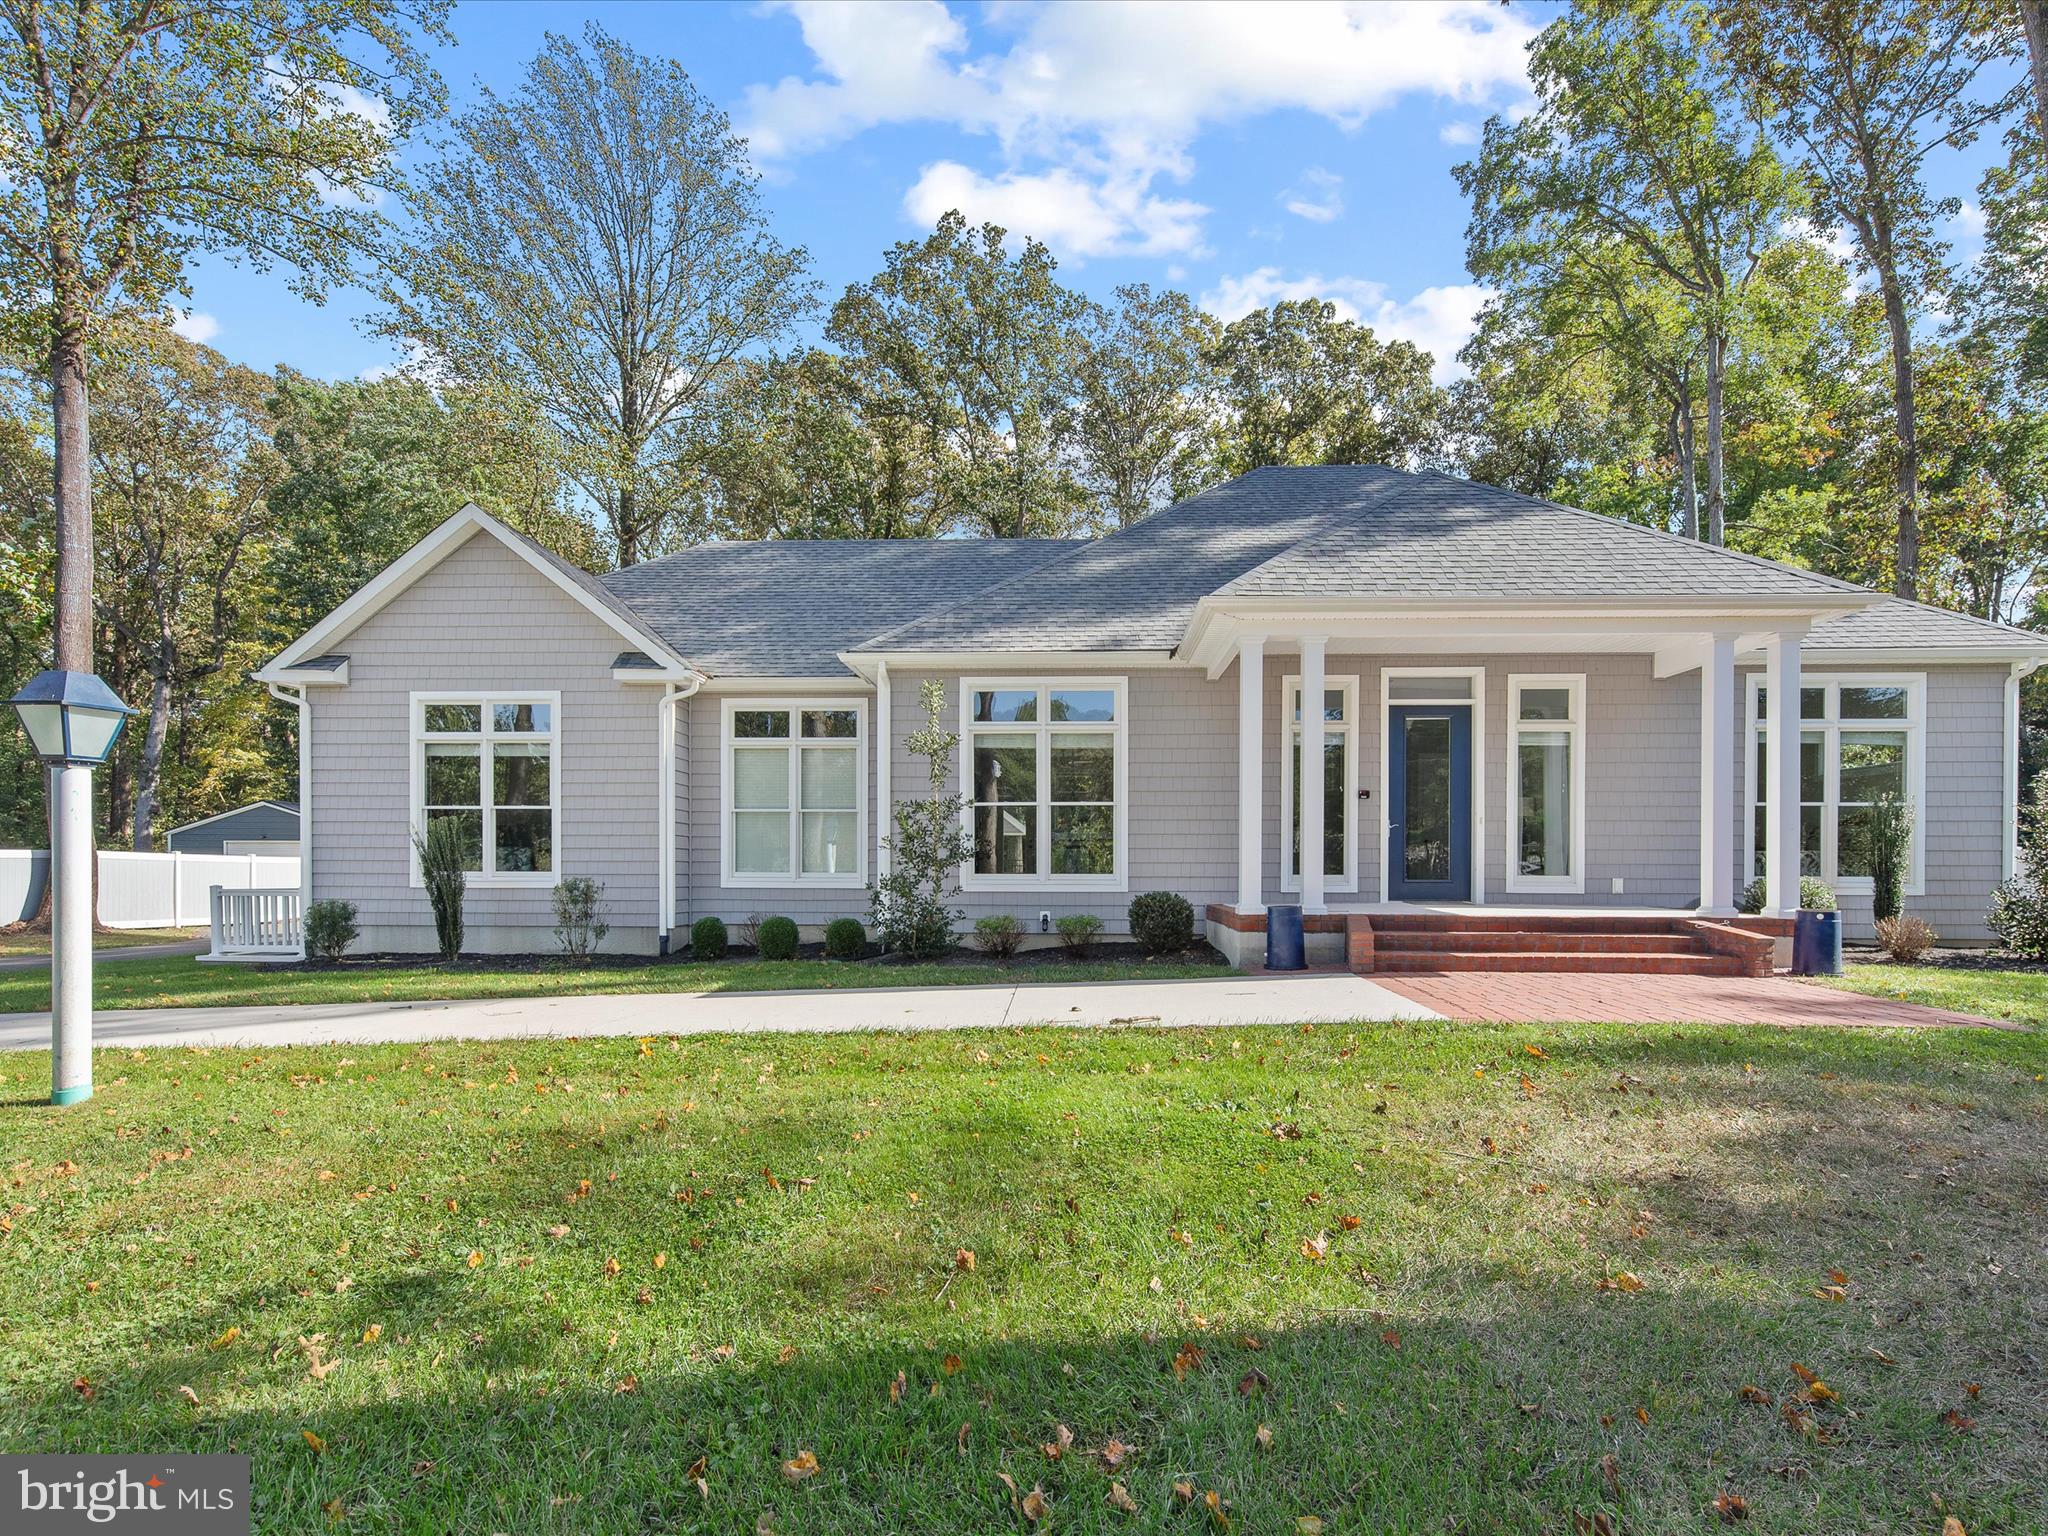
1662 534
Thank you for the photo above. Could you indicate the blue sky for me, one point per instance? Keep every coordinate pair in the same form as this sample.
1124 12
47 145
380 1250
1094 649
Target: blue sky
1244 153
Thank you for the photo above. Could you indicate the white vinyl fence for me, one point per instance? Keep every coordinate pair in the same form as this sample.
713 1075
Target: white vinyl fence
151 890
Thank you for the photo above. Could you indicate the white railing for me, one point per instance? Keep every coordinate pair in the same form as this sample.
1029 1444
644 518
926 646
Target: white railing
255 925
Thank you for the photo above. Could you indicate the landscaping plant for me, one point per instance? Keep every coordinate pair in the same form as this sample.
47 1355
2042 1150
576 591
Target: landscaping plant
912 905
750 930
1891 845
1078 931
2019 907
998 935
1905 938
1815 895
330 929
579 917
845 939
444 855
708 939
776 938
1162 922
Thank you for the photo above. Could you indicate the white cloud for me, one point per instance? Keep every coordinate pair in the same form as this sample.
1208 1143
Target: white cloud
1439 320
1459 133
1969 220
196 326
1317 195
1116 92
1114 217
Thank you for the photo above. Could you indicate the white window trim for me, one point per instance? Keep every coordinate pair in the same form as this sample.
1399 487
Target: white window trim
858 876
1290 732
1042 729
484 736
1575 728
1478 703
1915 728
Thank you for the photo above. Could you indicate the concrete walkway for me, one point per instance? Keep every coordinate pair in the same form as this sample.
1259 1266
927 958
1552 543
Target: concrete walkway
107 952
1315 998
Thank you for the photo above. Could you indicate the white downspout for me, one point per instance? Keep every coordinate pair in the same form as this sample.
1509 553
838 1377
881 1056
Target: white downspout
2013 790
885 819
672 694
298 696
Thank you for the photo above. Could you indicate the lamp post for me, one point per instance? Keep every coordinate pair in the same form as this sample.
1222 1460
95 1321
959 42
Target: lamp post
73 721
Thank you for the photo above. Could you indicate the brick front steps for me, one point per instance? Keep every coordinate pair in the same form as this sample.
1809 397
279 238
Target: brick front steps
1413 943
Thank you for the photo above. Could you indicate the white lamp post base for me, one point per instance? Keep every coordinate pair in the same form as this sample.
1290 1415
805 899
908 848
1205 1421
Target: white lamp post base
71 938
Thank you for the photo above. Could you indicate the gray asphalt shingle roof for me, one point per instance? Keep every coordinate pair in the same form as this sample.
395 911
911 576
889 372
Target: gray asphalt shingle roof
787 608
1897 624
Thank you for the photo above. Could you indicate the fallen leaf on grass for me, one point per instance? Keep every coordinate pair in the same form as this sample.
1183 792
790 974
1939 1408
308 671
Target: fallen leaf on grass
1120 1499
1185 1492
1316 1248
1212 1501
1034 1505
1731 1507
1642 1415
314 1441
1187 1358
335 1511
1262 1437
799 1467
963 1260
475 1260
1610 1473
1391 1339
1061 1442
226 1338
1753 1394
1307 1525
1114 1453
373 1333
1830 1293
1959 1421
1595 1524
950 1365
1951 1526
1253 1380
1878 1355
83 1388
628 1383
1627 1281
189 1395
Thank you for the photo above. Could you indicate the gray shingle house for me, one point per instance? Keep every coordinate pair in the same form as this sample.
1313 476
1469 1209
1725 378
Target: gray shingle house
1523 708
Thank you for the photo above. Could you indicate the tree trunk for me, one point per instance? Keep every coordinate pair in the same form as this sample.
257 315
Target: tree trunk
151 769
625 533
73 619
2034 15
1717 370
1688 485
1905 424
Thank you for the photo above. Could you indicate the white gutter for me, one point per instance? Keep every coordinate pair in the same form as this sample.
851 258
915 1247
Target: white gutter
300 697
885 820
2012 789
672 694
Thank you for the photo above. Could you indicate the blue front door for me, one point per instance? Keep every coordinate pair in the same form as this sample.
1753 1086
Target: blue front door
1429 802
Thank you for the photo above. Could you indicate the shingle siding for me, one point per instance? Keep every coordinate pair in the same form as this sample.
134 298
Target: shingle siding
261 822
483 619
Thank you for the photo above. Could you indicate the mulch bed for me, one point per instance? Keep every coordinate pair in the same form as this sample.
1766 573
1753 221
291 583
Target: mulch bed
1049 960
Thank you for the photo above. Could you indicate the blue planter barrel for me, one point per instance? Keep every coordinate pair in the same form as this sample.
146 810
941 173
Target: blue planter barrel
1816 943
1284 950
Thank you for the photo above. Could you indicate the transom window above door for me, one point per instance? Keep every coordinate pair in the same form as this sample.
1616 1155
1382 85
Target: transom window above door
795 791
1043 767
1340 783
485 764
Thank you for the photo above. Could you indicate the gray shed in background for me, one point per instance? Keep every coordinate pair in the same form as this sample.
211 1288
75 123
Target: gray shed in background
268 827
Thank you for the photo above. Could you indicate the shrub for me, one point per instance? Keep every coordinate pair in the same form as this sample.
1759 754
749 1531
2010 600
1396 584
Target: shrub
912 905
1078 931
750 930
999 936
579 917
776 938
444 854
1815 895
707 938
1162 921
845 938
2019 907
1891 845
1903 937
330 929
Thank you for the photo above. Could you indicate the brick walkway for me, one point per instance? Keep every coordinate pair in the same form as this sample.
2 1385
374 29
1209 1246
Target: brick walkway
1554 997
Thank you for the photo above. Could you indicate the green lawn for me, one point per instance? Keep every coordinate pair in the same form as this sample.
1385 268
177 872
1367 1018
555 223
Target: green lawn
183 982
2020 995
544 1287
36 941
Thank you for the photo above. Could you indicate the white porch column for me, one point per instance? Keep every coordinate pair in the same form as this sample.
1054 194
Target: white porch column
1717 778
1311 806
1251 766
1781 771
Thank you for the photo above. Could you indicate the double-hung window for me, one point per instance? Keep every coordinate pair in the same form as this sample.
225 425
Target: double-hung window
1340 770
1861 738
795 793
1044 768
486 764
1547 761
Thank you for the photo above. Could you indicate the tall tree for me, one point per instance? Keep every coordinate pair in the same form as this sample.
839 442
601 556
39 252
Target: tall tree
1298 385
1636 142
598 241
971 351
1863 92
1146 429
138 132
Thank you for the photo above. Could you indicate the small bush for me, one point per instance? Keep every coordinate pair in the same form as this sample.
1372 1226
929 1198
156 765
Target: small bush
750 930
579 917
845 938
445 854
330 929
912 905
1163 922
776 938
1078 931
1891 849
2019 916
708 938
1904 937
1814 895
998 936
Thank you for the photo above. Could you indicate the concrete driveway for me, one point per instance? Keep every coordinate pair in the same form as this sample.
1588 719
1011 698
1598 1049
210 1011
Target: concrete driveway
1314 998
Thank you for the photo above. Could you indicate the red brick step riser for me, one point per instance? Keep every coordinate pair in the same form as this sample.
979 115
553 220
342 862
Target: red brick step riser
1411 962
1524 940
